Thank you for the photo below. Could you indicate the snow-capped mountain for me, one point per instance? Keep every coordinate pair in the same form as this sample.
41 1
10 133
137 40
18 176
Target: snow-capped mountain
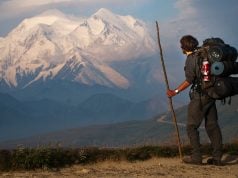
53 45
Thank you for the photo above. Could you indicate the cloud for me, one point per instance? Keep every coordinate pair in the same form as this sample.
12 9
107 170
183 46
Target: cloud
30 3
12 12
202 19
115 2
186 9
209 18
220 19
12 8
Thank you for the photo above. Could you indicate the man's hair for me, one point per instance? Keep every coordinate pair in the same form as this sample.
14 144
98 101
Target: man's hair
189 43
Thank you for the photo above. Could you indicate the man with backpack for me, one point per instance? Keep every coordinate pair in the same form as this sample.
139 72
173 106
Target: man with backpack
201 105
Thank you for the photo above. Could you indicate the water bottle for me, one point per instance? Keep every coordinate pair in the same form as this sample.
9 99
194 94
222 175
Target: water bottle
206 71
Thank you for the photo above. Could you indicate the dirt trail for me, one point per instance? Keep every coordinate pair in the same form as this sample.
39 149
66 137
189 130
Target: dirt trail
162 119
153 168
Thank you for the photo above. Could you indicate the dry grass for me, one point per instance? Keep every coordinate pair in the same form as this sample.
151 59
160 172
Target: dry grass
147 161
153 168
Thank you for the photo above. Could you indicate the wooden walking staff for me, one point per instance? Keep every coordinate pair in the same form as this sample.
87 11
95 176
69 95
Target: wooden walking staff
170 99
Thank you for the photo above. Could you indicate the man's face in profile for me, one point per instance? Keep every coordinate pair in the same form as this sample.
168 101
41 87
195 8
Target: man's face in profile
184 52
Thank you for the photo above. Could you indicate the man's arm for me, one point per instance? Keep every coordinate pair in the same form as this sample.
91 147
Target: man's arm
181 87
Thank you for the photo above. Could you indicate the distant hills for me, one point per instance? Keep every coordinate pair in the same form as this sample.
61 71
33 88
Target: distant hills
27 118
159 130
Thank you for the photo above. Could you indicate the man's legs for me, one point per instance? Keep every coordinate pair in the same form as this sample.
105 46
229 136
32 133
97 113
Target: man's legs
214 132
195 117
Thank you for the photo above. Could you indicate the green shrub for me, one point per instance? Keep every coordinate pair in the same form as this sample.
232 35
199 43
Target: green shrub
45 157
5 160
50 157
141 154
42 157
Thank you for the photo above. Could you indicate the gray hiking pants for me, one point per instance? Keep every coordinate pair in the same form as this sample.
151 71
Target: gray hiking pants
203 107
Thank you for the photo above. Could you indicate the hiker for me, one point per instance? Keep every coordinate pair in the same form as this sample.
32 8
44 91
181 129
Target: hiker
201 107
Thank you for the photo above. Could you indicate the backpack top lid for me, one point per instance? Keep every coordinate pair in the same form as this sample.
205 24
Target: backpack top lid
218 50
213 41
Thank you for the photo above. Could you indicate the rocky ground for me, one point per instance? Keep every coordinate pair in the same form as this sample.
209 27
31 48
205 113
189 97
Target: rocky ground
153 168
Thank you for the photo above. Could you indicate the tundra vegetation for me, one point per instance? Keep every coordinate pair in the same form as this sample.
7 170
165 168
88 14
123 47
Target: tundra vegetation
51 157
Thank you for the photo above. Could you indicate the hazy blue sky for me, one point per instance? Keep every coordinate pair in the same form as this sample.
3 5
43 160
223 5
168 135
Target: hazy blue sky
201 18
14 11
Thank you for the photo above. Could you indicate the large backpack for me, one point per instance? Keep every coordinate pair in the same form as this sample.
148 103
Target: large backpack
221 58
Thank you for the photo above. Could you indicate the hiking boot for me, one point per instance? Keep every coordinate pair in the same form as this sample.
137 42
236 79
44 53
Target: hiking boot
190 160
212 161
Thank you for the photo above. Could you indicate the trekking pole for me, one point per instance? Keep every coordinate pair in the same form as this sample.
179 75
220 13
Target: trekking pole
170 99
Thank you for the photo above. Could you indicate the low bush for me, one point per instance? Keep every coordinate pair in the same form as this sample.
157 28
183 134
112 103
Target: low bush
49 157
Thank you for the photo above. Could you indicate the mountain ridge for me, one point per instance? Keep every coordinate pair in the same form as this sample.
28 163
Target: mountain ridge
42 45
